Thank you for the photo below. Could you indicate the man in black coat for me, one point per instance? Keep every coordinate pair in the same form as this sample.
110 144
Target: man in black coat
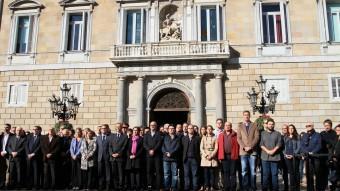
191 158
50 147
64 174
152 142
16 151
34 159
4 156
103 142
328 141
117 152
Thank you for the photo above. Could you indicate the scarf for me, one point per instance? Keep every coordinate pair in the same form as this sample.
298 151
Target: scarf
134 144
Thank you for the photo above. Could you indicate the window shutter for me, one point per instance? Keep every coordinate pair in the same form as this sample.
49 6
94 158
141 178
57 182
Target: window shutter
11 96
336 87
66 30
144 18
283 21
21 94
83 31
30 33
261 21
199 31
15 33
123 25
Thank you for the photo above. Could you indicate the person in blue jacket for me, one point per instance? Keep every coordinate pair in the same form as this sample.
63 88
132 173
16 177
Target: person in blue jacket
310 146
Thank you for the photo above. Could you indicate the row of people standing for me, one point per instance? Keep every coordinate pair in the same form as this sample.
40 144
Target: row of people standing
174 159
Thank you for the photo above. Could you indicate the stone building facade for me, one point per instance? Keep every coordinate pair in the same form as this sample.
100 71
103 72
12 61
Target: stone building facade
170 61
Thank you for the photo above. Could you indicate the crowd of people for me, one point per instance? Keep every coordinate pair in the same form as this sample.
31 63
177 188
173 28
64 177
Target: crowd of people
171 157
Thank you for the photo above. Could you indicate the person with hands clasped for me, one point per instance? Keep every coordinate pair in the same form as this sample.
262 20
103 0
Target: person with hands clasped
270 145
208 148
170 150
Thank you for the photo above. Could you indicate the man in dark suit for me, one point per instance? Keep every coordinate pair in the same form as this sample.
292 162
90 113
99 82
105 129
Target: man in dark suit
103 141
64 173
16 151
34 159
153 146
117 150
4 157
191 158
50 147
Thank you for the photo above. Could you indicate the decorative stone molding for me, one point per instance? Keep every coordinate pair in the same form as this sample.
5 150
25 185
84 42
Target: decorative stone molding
25 4
166 85
69 3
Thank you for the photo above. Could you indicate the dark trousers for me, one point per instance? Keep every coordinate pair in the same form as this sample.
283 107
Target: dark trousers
117 174
270 171
284 172
180 175
49 174
209 178
104 173
33 173
190 174
154 166
313 168
324 173
15 175
293 173
229 173
135 178
87 177
76 173
3 170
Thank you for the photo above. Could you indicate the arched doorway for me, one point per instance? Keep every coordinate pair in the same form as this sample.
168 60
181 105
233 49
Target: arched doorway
169 106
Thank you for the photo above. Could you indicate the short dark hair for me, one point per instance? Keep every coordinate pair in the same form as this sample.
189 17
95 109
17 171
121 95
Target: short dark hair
8 125
219 119
125 124
328 121
106 126
38 127
270 120
246 111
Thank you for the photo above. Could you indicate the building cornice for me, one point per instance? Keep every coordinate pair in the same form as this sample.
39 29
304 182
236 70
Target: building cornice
28 67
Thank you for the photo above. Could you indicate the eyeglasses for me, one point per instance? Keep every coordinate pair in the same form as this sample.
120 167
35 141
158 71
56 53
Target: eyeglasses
309 126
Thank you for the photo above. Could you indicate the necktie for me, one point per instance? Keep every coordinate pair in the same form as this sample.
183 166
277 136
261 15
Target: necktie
247 127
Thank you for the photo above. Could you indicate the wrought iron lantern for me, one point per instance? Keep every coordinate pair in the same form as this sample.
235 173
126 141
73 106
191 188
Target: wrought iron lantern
65 107
271 96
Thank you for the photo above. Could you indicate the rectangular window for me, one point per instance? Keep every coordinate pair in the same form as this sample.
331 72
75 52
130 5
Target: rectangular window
333 11
281 84
24 34
135 26
335 82
209 24
76 89
17 95
77 31
273 23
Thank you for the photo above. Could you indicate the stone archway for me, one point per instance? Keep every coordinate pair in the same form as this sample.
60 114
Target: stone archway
170 105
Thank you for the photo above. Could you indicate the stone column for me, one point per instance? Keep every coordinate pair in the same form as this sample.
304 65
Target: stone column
219 96
198 100
140 101
121 99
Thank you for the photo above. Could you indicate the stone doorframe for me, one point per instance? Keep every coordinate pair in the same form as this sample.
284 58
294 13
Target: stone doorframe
167 85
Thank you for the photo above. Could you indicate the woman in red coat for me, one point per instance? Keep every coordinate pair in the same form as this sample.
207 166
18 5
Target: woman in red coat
228 153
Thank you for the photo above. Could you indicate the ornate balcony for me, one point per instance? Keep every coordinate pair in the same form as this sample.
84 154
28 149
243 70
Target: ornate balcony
173 51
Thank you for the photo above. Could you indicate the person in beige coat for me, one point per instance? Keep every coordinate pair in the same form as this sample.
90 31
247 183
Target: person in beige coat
248 138
209 161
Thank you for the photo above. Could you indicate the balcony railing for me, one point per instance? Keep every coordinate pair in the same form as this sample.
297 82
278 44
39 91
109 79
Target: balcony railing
172 51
